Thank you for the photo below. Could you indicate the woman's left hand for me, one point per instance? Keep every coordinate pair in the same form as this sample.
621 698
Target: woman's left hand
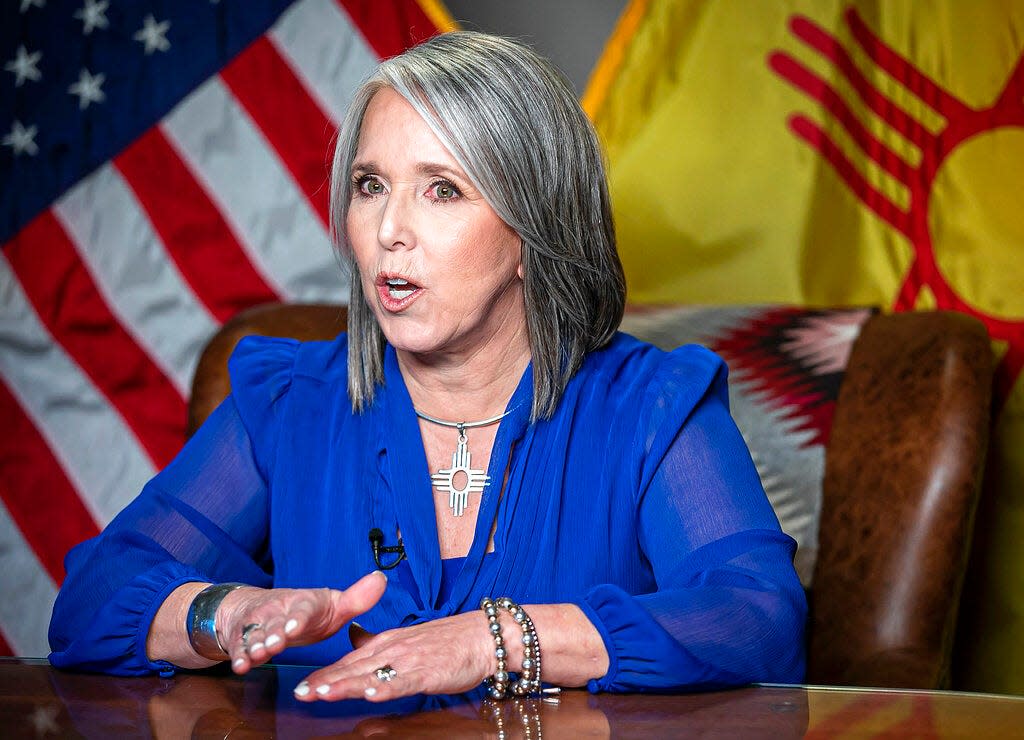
445 656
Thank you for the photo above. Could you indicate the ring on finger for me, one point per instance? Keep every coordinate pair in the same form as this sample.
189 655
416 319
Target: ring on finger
385 673
247 630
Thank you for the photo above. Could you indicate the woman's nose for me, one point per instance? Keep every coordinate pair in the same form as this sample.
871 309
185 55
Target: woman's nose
395 230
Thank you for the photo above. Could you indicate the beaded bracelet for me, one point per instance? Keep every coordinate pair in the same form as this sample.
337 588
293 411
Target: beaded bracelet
529 678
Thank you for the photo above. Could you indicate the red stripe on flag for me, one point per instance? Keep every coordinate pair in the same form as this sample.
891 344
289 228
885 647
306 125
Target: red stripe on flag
290 119
193 231
390 28
5 648
34 488
64 295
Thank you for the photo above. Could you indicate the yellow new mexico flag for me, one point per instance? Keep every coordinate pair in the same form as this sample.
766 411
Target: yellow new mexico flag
825 153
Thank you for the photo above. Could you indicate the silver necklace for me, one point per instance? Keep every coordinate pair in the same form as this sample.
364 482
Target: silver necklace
476 479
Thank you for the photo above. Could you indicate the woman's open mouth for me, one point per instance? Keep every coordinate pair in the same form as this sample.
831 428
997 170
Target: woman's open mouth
399 289
396 293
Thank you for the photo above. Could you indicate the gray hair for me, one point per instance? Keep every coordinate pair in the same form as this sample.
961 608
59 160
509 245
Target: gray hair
513 124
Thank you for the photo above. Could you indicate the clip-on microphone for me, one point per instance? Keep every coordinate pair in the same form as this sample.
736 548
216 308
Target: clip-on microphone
377 542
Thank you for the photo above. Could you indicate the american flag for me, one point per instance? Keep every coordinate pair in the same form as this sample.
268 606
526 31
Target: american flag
163 165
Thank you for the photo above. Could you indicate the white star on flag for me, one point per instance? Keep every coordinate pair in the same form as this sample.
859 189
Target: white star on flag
153 35
26 4
25 66
22 140
93 15
88 89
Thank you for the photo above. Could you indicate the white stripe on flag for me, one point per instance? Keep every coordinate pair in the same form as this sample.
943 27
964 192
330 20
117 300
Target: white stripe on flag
135 275
28 593
73 417
326 50
258 197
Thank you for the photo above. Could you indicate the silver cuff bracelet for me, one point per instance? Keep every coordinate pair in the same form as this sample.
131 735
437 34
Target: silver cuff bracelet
200 622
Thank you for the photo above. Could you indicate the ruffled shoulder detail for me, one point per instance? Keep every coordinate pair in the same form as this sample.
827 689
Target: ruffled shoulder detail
684 378
637 367
263 364
667 388
261 371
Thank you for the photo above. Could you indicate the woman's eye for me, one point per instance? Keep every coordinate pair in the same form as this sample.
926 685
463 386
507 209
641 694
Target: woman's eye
370 186
444 190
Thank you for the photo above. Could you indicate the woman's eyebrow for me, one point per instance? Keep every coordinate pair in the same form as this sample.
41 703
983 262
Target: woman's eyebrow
422 169
428 168
364 167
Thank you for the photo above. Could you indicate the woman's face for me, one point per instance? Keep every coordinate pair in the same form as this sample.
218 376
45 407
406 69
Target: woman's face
438 267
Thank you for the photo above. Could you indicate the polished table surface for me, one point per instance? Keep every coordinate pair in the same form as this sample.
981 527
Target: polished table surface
38 701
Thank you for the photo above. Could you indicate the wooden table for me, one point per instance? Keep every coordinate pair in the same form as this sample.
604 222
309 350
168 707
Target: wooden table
38 701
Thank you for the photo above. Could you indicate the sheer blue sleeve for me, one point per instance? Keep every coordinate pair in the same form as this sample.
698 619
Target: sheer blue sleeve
729 608
203 518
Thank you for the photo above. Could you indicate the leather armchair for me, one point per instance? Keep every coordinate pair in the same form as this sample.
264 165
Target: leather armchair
903 472
903 469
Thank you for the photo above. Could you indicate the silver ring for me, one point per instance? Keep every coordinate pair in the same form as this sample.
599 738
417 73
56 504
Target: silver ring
385 673
246 631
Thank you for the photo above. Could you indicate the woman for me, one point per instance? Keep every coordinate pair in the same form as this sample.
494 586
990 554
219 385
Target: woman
482 412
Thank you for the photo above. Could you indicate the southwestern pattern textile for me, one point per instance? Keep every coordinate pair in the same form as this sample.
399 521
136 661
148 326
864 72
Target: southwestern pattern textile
785 368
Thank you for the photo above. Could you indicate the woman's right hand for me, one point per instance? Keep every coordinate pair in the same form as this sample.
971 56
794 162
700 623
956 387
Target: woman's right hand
288 617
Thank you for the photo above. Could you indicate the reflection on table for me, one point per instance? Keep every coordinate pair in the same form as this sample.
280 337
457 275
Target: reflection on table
36 701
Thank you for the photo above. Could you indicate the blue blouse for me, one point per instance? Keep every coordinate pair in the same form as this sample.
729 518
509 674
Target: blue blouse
637 501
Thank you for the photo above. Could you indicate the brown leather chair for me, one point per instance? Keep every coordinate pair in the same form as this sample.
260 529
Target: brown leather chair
903 471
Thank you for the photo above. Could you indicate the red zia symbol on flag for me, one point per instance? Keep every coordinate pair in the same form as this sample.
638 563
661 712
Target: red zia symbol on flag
978 137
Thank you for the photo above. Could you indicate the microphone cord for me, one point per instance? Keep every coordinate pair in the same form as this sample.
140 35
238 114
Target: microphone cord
377 543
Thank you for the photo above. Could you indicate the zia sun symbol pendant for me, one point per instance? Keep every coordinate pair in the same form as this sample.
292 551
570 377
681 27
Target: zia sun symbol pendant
474 478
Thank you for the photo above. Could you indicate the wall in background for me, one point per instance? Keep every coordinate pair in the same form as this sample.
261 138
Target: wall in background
571 33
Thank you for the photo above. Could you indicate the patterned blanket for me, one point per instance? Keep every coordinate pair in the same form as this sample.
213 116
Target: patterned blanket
785 368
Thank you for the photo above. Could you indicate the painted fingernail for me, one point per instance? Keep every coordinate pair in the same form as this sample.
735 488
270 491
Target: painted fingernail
290 626
255 646
323 689
370 691
238 662
302 689
382 574
272 640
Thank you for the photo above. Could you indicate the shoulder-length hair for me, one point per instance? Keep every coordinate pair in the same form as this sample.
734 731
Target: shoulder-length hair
513 124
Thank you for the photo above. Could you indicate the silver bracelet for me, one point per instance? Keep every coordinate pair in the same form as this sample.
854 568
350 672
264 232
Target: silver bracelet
200 622
529 678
